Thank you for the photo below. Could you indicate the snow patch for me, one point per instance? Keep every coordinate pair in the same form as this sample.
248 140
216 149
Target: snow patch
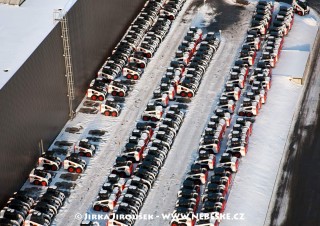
22 29
303 33
310 21
297 61
205 16
253 183
163 195
239 2
257 174
231 2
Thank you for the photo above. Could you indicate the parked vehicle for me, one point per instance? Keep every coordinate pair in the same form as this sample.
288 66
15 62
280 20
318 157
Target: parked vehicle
115 88
84 148
110 108
73 163
98 89
49 161
36 219
248 108
131 71
229 162
152 112
231 92
39 177
106 200
301 7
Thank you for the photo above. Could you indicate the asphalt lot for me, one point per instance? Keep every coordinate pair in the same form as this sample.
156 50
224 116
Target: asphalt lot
223 20
299 176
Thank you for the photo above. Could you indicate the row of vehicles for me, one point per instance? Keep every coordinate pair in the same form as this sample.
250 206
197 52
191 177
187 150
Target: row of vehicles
195 51
185 73
73 162
130 57
136 169
252 101
138 165
216 176
145 159
27 208
22 209
261 77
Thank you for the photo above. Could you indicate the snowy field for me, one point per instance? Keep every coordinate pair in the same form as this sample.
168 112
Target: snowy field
298 46
295 58
163 195
36 24
118 128
253 184
250 199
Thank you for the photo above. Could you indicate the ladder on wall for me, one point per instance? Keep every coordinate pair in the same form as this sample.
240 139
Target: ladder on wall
61 16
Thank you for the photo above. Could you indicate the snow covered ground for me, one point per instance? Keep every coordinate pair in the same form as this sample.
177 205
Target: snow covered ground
88 186
295 58
163 195
298 46
22 29
118 128
253 184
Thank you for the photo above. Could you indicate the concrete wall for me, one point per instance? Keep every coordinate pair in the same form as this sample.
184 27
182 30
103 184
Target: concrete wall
34 102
